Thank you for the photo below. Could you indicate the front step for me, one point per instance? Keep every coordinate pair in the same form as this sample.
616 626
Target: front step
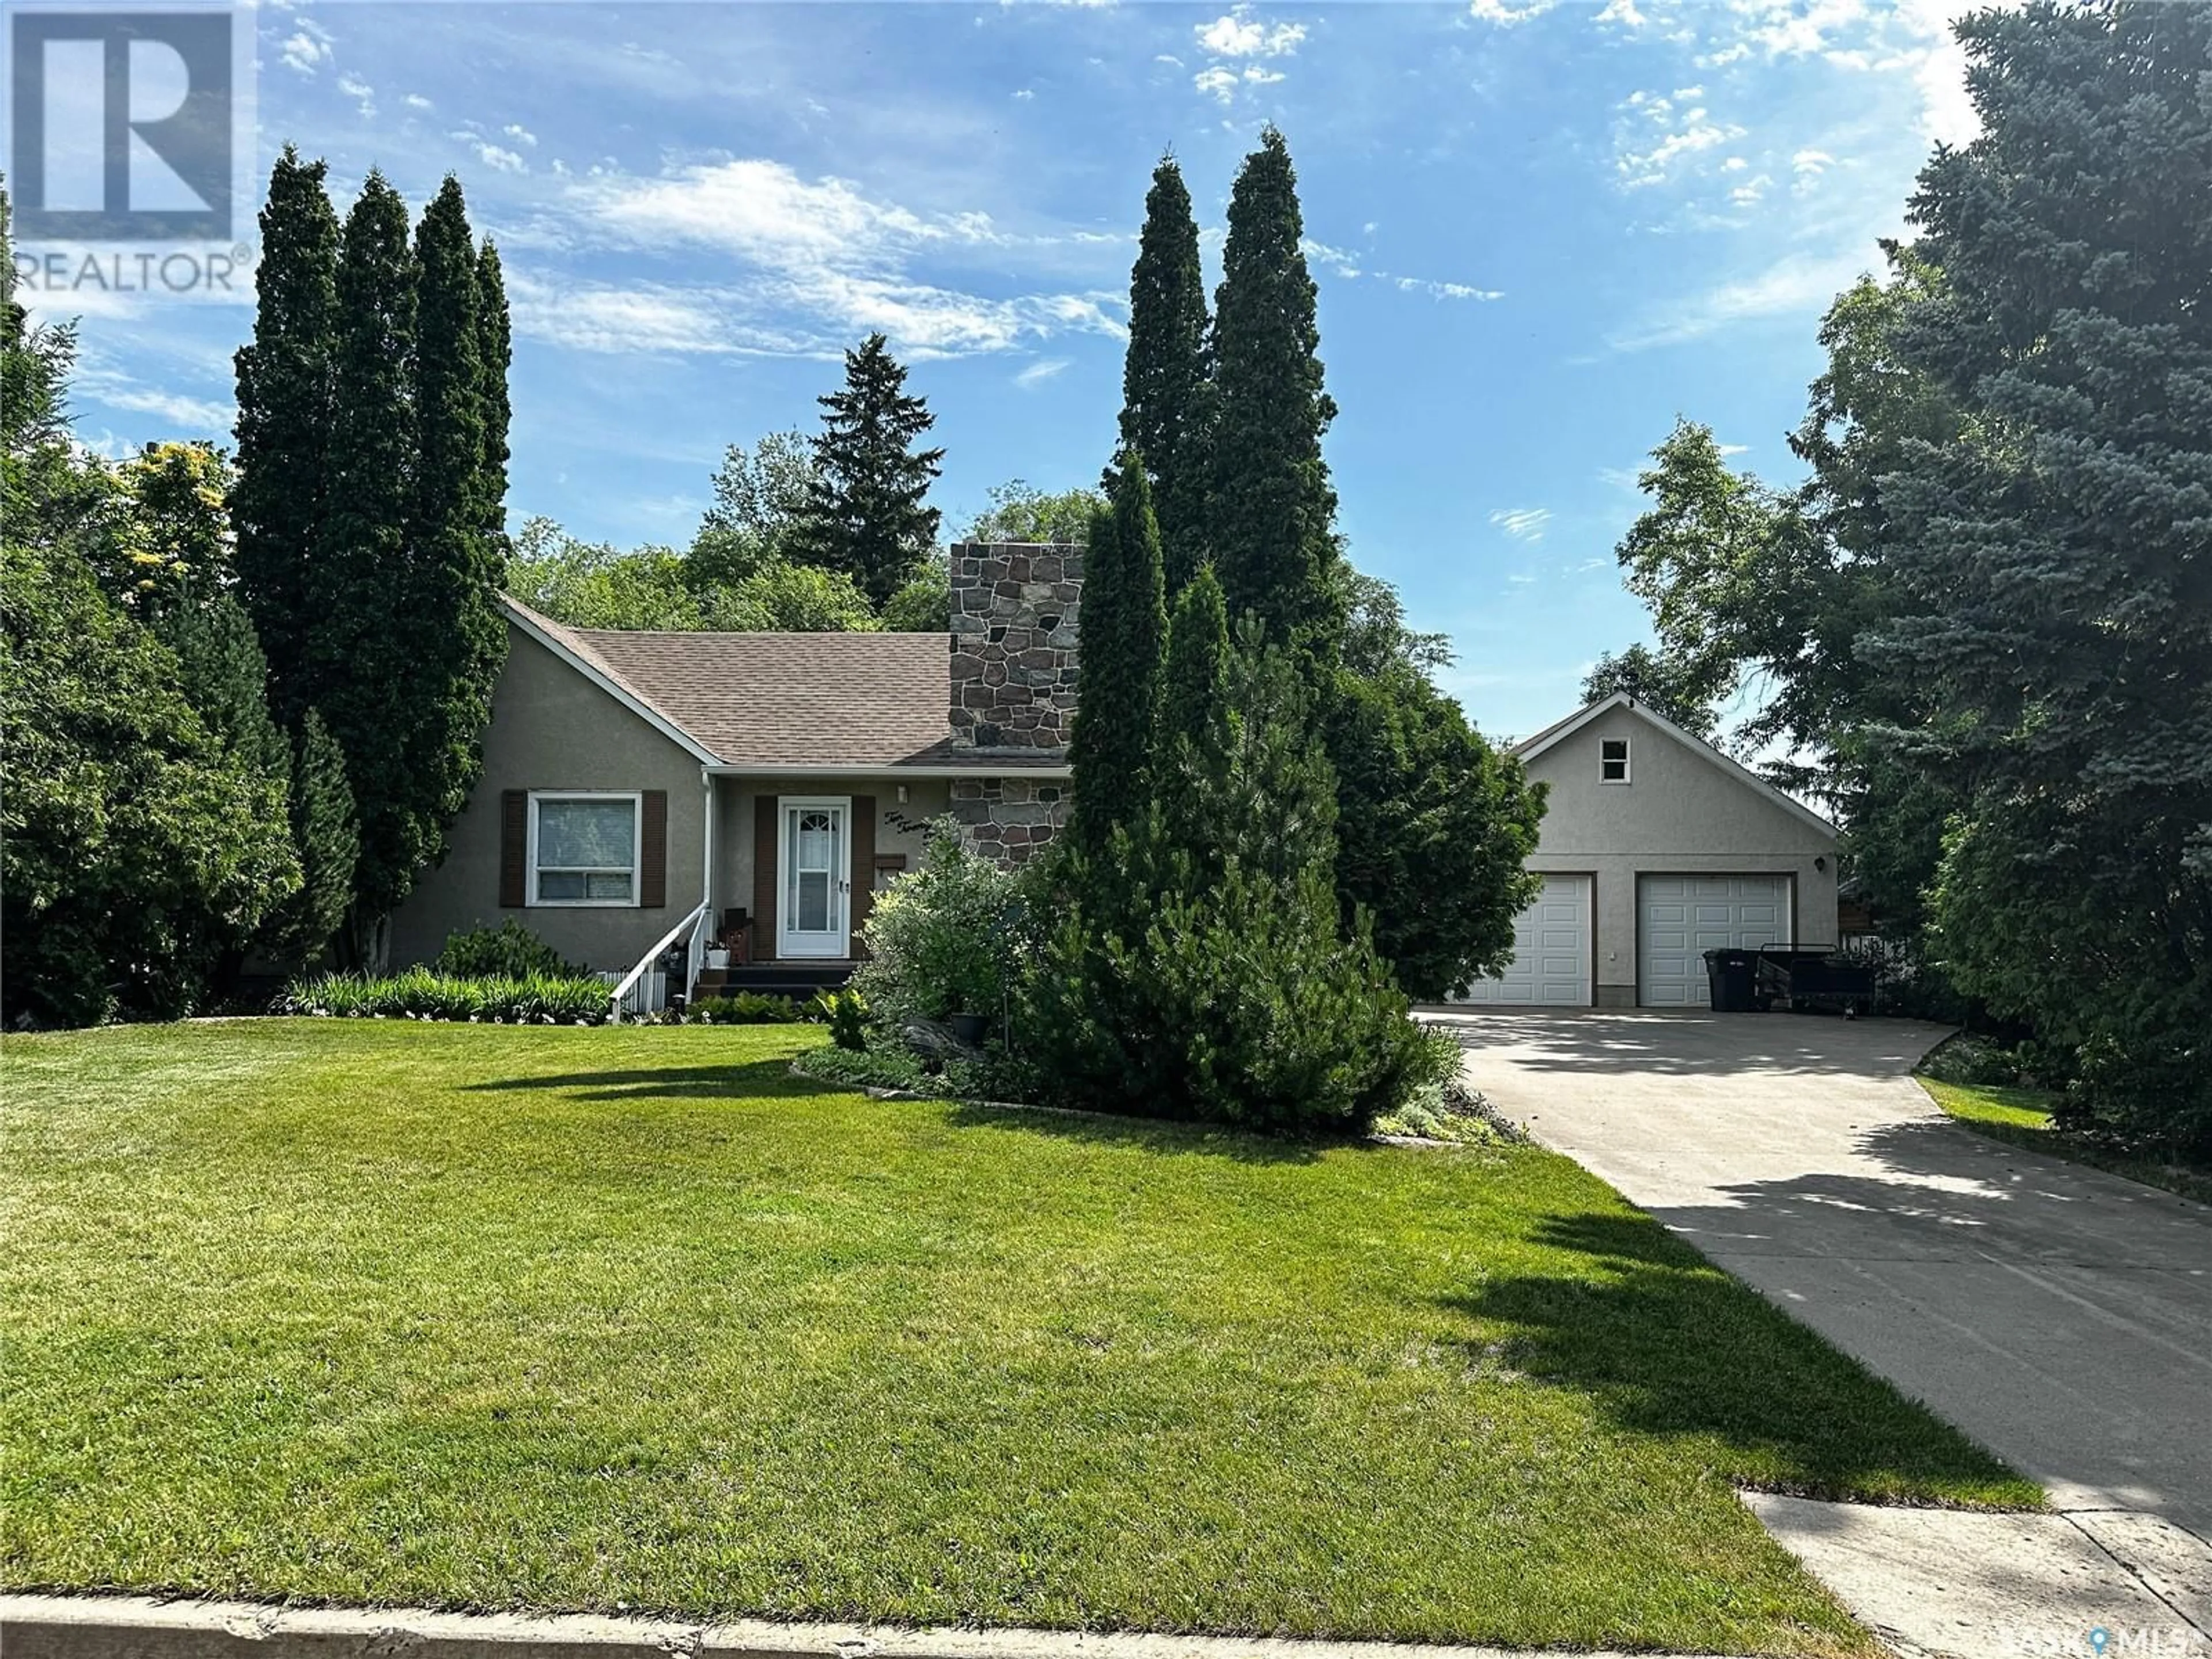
783 979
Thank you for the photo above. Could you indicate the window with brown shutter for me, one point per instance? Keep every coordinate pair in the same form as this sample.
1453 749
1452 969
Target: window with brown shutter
514 848
764 879
864 869
653 852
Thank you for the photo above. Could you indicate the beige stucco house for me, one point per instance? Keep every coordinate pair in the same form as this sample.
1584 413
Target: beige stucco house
651 795
1656 848
644 793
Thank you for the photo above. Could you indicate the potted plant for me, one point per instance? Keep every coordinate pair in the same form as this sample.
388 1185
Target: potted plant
969 1028
717 956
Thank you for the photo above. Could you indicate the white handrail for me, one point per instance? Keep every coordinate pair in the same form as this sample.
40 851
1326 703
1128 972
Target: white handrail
628 983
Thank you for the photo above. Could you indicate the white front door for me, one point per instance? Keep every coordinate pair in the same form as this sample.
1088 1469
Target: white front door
815 891
1680 918
1550 965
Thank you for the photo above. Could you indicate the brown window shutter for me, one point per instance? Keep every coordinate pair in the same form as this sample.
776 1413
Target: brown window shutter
864 869
514 848
764 879
653 854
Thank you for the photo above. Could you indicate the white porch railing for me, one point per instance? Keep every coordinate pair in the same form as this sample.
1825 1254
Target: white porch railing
633 994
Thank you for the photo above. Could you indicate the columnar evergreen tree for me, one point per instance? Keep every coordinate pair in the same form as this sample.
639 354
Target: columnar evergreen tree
1166 379
866 512
326 836
1271 511
457 635
1193 681
2057 622
284 419
495 356
1124 627
360 678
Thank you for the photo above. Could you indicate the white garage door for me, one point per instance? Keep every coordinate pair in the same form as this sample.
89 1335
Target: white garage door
1550 961
1680 918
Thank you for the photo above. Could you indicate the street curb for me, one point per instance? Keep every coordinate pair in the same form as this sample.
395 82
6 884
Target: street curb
142 1627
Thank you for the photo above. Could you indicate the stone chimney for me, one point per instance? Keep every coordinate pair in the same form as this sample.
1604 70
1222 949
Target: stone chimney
1015 619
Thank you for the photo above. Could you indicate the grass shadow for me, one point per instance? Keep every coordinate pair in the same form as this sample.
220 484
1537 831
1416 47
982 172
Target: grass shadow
1170 1137
736 1081
1669 1346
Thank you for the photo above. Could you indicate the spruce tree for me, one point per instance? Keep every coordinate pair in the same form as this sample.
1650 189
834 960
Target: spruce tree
865 513
2058 623
458 637
284 419
363 678
1271 511
1124 626
1166 379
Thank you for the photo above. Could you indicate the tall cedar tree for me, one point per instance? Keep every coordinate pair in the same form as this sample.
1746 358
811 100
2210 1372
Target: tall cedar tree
865 514
284 419
456 563
363 679
327 835
2059 624
1271 513
495 356
1167 391
1195 679
1124 628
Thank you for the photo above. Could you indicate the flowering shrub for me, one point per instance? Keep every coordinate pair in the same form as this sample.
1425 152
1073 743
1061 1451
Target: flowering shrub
944 939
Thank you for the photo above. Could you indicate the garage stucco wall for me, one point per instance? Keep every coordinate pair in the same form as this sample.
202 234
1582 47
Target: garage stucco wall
1679 814
551 728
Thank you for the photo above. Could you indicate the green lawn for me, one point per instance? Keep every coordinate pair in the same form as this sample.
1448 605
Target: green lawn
2021 1117
482 1317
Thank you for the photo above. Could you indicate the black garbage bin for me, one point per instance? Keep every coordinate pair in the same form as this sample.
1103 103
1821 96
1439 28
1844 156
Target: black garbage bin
1732 976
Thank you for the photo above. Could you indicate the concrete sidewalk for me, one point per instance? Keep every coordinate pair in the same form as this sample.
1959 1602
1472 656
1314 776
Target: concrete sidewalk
2061 1316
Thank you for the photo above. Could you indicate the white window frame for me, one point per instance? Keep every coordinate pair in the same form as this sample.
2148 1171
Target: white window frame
1605 760
636 799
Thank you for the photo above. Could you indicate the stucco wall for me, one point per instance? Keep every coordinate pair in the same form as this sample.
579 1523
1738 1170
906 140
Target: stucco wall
553 729
899 823
1678 815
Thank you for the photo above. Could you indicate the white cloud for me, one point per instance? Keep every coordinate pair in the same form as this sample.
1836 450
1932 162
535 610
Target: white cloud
521 135
1523 524
1751 191
1217 83
1798 284
1237 34
416 100
1622 14
308 48
819 261
1510 12
360 91
1039 371
1025 94
1654 133
199 415
1811 161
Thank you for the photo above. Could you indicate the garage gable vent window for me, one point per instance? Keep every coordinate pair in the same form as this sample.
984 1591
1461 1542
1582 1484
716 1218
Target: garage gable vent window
1612 760
583 849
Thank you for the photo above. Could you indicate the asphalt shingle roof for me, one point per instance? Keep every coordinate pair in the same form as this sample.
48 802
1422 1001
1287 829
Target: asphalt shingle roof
864 701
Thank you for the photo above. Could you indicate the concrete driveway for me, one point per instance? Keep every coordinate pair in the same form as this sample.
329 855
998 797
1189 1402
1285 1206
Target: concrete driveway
2062 1317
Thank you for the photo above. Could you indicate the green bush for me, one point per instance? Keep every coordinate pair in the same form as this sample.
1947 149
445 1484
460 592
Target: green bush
746 1008
846 1013
509 950
945 939
423 994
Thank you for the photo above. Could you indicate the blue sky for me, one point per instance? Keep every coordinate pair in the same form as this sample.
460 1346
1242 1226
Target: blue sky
1541 232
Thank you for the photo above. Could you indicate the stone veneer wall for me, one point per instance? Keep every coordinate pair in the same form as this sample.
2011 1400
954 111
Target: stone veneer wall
1016 615
1010 818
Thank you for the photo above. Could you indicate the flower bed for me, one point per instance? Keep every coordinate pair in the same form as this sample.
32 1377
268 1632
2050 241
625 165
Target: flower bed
421 994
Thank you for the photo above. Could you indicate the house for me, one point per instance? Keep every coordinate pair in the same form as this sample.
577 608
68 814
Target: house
642 790
646 794
1656 848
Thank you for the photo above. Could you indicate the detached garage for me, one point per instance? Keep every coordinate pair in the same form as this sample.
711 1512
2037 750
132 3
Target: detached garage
1656 848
